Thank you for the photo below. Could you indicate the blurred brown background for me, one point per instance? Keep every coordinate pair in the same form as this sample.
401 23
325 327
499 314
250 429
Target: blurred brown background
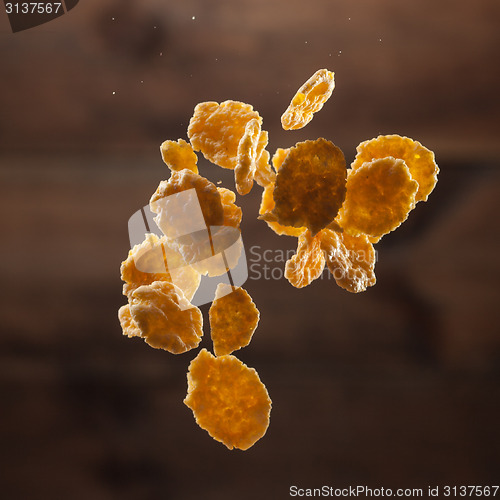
395 387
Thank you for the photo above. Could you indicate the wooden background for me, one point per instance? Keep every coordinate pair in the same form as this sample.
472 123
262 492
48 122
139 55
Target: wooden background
395 387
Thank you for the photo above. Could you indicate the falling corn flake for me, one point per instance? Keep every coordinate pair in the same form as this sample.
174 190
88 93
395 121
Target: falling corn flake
380 195
350 259
308 262
165 318
228 400
233 319
310 185
419 159
178 215
216 130
155 259
308 100
179 155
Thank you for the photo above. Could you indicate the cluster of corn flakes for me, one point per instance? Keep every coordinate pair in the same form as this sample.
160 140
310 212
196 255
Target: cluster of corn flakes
339 213
336 213
162 275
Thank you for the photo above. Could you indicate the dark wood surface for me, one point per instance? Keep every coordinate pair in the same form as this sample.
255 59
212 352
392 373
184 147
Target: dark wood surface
395 387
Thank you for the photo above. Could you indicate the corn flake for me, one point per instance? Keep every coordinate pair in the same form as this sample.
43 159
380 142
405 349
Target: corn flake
178 216
233 319
308 263
155 259
179 155
350 259
216 130
310 185
419 159
308 100
228 400
165 318
247 157
380 195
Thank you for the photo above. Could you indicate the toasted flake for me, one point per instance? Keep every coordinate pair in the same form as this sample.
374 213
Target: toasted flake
308 262
350 259
419 159
176 213
380 195
155 259
233 319
310 185
216 130
165 318
308 100
228 400
179 155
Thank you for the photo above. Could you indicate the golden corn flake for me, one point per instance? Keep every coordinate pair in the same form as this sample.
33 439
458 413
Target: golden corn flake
155 259
419 160
350 259
265 211
233 319
310 185
228 400
179 155
308 263
129 327
178 216
165 318
247 157
264 174
232 213
216 130
380 194
308 100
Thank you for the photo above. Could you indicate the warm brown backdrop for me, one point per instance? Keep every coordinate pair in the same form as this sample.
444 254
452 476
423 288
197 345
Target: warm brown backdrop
396 387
